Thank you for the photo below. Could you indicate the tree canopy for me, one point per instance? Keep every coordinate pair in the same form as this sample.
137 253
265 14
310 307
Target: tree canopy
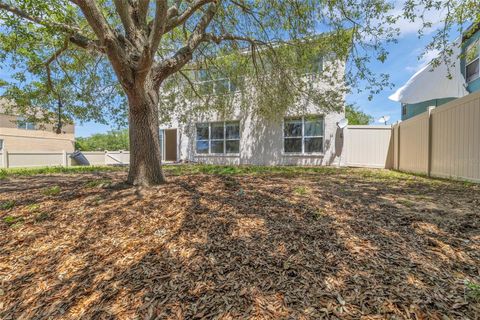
356 116
112 140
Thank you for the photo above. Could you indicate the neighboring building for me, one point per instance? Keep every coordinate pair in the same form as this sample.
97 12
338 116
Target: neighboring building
307 138
19 135
432 86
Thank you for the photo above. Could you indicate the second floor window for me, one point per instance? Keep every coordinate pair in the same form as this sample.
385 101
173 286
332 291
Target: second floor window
218 137
24 124
1 144
303 135
214 83
472 61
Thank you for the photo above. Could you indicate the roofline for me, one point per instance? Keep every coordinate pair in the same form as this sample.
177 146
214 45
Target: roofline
471 30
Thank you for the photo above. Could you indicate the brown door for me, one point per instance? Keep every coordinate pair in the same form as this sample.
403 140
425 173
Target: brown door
171 145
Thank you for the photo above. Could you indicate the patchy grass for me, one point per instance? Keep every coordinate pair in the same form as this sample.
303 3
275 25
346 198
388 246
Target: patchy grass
26 172
473 290
406 202
98 183
52 191
240 243
12 221
7 204
301 191
245 170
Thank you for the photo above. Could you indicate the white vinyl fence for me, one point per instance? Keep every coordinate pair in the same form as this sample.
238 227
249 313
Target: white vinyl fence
49 159
368 146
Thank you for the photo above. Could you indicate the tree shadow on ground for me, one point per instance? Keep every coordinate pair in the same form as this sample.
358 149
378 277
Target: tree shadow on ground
273 246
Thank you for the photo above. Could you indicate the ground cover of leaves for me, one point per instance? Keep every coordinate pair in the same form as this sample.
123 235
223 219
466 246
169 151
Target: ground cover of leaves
338 244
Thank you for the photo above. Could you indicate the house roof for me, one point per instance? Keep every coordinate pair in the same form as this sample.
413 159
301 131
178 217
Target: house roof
433 82
474 28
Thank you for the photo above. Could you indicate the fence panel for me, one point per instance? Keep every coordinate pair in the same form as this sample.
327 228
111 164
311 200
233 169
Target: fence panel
34 159
456 139
62 158
117 158
95 158
369 146
413 144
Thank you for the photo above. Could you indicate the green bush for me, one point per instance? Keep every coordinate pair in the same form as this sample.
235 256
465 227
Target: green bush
112 140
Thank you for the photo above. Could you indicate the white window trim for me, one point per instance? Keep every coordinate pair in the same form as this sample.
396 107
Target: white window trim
303 153
478 73
22 119
214 91
224 154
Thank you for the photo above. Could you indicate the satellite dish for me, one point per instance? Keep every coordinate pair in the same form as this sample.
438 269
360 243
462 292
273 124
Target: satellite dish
384 119
342 123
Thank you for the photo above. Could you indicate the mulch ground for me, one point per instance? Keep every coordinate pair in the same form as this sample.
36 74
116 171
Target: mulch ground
342 245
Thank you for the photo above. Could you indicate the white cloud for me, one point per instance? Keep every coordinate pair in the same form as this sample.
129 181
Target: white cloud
423 61
407 27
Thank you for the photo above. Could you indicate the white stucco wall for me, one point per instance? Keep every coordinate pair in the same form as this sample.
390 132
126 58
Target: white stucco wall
261 140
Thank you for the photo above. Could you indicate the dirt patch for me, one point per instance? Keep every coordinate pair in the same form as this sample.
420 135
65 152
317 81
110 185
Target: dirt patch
338 245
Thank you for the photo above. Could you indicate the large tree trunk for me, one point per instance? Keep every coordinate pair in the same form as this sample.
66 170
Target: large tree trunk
145 158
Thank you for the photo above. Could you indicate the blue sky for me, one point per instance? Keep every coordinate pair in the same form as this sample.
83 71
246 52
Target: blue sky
401 64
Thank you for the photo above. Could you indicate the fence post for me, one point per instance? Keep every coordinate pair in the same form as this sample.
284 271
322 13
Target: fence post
398 145
429 141
5 158
64 158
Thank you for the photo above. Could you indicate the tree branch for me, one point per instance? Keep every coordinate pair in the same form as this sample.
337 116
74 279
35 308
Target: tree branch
20 13
159 23
142 12
175 21
124 10
185 54
54 57
108 38
95 19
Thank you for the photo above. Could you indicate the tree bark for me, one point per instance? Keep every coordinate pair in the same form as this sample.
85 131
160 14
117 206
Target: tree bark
145 155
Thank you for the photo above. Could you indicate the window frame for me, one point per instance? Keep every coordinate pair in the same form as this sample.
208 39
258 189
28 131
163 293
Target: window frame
477 59
2 142
210 139
204 78
322 152
24 124
478 73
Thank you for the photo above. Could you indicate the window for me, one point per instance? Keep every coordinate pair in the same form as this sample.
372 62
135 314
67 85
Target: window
218 138
303 134
310 63
22 123
1 144
315 64
404 109
214 84
472 62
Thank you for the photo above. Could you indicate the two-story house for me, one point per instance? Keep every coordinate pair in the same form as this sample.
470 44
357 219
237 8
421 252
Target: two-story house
17 134
435 85
291 137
